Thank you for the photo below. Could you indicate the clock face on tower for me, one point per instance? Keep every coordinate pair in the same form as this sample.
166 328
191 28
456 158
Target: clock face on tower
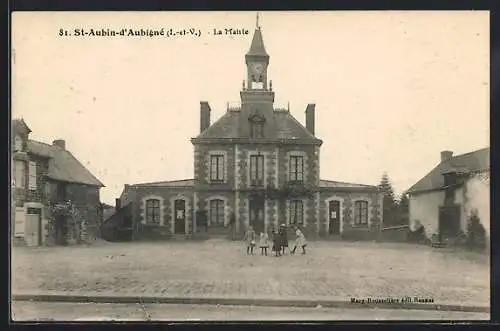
257 68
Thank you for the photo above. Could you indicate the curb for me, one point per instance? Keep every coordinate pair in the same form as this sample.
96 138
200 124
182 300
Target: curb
267 302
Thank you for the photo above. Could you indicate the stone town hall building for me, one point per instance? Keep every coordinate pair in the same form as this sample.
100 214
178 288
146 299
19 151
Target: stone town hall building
257 162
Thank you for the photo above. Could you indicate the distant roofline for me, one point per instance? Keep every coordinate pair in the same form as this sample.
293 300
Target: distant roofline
157 183
284 141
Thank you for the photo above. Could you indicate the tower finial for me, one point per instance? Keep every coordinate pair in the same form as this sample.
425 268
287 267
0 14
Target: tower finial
257 26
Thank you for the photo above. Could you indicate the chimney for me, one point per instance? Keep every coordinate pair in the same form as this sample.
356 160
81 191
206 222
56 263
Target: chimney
446 155
310 110
117 204
59 143
204 115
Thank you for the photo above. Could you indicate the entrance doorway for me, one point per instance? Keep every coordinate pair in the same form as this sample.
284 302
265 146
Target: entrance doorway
449 222
334 217
257 215
33 230
180 216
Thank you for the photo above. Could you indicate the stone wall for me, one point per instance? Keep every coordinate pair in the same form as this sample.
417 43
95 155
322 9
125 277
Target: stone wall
166 196
347 201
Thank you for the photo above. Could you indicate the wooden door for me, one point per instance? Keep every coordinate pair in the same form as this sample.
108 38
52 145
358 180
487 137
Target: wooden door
334 217
33 232
257 215
449 222
180 216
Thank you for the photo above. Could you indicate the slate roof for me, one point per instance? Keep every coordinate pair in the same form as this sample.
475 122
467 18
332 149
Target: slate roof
285 126
471 162
63 165
257 47
335 184
170 183
190 183
20 123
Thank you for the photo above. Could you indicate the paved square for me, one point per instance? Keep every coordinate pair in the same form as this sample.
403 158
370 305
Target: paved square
222 268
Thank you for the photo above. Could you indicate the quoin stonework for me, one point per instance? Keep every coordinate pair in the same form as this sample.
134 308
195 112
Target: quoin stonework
255 165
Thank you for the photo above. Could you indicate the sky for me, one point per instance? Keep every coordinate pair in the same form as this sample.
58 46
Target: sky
392 89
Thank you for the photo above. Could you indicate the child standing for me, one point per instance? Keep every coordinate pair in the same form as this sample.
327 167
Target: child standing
264 243
276 242
300 241
283 238
250 239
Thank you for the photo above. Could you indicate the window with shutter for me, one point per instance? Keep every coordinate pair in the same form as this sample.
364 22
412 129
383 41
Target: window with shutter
32 176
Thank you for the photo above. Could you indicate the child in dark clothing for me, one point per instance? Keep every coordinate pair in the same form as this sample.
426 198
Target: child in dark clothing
276 242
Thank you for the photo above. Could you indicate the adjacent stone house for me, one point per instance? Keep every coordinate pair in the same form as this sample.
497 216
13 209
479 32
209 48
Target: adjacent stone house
256 162
444 199
53 194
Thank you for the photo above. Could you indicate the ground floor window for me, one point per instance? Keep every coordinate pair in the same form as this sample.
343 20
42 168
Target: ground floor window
153 211
216 212
296 212
361 213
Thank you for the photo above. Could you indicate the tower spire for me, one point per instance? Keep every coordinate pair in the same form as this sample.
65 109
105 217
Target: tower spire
257 47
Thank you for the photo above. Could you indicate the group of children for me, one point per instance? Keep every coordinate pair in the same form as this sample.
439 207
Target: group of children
279 241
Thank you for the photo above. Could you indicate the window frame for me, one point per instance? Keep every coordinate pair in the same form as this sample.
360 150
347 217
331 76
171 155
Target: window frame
257 129
220 212
361 206
217 174
296 175
18 144
257 171
61 191
296 206
153 212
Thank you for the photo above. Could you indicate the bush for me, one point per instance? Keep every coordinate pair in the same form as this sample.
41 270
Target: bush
476 234
417 236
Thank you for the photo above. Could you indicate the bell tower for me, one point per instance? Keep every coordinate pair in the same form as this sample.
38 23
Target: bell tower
257 61
256 92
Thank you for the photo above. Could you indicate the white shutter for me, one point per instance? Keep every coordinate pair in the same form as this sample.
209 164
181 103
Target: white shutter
19 221
32 176
19 174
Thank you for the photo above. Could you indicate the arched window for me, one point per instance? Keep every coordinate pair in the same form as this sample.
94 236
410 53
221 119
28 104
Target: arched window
216 212
361 213
153 211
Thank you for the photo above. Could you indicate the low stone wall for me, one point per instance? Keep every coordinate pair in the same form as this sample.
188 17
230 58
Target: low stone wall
394 234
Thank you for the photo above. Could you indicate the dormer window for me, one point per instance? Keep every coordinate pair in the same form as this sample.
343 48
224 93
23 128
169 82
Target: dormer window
18 144
257 126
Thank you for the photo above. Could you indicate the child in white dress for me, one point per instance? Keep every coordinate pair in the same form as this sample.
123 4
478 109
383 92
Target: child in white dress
250 240
300 241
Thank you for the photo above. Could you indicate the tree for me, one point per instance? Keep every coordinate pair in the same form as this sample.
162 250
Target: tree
404 208
403 204
390 206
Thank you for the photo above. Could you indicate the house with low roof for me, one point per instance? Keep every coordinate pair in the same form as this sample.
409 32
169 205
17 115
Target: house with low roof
46 180
446 197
